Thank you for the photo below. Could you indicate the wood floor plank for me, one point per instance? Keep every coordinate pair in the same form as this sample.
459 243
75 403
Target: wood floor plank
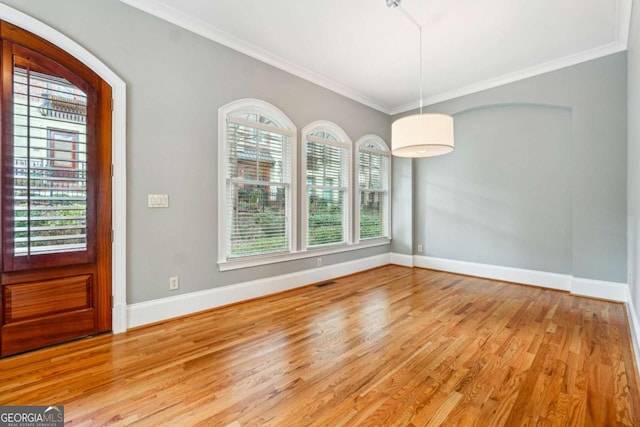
393 346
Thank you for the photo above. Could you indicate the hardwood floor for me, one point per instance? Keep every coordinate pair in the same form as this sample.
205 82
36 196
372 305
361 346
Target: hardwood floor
390 347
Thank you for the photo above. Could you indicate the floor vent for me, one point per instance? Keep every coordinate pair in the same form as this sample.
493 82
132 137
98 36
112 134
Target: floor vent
322 285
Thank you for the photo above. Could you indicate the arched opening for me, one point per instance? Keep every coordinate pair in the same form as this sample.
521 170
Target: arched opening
119 193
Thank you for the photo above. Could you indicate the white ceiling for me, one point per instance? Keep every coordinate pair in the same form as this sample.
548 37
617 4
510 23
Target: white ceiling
369 52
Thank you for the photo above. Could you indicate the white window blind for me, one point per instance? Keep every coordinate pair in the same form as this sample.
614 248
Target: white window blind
373 172
327 182
258 186
49 164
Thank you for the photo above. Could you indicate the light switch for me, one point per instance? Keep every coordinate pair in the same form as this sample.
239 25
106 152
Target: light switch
158 200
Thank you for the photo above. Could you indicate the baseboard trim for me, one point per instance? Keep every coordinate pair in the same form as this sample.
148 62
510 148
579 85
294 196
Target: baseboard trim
634 327
583 287
119 318
402 259
600 289
147 312
508 274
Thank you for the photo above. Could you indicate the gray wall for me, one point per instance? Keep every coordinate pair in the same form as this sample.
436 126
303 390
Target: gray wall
538 176
402 206
176 81
633 102
504 197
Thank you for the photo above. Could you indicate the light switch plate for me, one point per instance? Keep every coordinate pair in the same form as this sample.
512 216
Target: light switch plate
158 200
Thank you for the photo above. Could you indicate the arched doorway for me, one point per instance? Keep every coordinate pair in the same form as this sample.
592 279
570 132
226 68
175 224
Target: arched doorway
56 195
119 192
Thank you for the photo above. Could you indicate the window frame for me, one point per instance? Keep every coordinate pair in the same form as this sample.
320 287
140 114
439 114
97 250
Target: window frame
342 141
18 56
273 113
382 148
297 213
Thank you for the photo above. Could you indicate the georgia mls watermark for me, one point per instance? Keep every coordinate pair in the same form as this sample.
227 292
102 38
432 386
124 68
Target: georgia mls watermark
31 416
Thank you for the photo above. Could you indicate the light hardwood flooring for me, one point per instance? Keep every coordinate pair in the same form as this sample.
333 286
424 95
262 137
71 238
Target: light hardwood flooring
392 346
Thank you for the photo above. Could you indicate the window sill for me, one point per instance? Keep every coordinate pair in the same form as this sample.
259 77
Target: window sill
235 264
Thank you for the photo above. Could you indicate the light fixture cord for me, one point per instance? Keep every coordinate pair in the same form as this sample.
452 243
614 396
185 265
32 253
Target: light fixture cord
410 18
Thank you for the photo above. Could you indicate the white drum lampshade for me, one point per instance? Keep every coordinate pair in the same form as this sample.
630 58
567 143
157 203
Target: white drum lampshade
422 135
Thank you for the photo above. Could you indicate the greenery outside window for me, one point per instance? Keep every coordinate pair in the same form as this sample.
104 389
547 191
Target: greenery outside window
257 176
327 193
373 163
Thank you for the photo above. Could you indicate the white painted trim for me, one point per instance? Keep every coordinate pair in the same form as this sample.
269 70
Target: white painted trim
119 152
382 150
526 73
210 32
276 115
197 26
291 256
634 327
508 274
578 286
119 206
166 308
600 289
623 24
401 259
343 141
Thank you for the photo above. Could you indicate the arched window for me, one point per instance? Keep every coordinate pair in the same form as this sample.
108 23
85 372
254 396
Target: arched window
257 177
373 163
327 185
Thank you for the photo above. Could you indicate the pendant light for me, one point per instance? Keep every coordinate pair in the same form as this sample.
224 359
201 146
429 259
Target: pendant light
420 135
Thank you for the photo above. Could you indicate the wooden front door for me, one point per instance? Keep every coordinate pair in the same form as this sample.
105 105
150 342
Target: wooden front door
56 195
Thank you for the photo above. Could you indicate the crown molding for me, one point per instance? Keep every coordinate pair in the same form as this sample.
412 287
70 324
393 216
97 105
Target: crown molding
208 31
537 70
623 24
197 26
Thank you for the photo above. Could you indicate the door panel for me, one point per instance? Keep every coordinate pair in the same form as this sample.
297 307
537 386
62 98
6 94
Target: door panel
56 196
36 299
45 312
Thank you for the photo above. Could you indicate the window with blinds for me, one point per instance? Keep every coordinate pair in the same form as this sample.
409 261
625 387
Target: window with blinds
258 163
373 182
327 188
258 185
49 164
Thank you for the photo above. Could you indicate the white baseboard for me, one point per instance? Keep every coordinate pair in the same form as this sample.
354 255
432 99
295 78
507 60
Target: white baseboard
508 274
600 289
119 318
166 308
584 287
634 326
402 259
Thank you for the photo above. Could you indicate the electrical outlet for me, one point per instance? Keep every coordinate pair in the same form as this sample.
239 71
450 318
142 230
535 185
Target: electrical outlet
419 248
174 283
319 262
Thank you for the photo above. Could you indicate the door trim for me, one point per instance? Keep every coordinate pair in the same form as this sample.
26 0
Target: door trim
118 147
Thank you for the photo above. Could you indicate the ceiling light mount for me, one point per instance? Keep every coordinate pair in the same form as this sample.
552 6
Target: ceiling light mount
420 135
